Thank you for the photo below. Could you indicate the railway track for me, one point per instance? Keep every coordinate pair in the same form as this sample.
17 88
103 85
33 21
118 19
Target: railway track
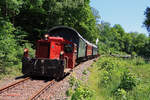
25 89
29 89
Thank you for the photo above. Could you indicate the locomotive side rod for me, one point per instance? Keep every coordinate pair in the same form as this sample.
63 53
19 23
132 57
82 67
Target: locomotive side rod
38 93
13 84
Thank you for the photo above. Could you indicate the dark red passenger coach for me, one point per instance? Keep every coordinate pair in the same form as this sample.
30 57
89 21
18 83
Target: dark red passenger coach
60 49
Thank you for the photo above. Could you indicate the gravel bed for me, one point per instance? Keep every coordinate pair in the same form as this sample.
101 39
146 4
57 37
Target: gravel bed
58 91
6 81
23 91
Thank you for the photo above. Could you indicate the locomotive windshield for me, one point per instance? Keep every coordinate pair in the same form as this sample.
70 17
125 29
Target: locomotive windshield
68 48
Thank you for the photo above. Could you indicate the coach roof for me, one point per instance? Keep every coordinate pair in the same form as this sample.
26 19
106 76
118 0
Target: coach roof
68 30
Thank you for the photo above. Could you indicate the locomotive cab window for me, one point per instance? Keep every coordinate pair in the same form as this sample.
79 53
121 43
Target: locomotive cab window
68 48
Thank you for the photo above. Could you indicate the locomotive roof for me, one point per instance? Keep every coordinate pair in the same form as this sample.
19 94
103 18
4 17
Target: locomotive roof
73 31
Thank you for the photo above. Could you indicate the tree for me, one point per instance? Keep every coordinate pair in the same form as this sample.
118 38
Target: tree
96 14
147 20
7 44
37 16
10 8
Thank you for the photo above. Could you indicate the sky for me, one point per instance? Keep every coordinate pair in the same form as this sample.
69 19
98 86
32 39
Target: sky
128 13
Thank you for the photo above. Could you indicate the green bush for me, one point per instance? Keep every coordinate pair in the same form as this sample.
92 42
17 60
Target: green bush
106 78
82 93
8 46
72 81
78 91
128 81
84 72
120 94
10 51
69 92
133 54
107 64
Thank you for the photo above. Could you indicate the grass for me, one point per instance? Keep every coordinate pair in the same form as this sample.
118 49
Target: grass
138 67
12 71
142 91
93 83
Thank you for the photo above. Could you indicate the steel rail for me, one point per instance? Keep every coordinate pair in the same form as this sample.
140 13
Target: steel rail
13 84
42 90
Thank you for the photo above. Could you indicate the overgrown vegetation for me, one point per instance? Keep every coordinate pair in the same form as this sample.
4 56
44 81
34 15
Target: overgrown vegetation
10 50
78 90
120 79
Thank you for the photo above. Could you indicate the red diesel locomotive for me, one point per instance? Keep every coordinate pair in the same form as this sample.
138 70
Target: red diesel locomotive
60 49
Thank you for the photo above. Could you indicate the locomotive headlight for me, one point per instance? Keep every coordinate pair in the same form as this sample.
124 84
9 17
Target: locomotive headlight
26 50
61 53
46 36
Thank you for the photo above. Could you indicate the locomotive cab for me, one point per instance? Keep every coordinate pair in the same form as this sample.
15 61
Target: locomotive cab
50 48
53 56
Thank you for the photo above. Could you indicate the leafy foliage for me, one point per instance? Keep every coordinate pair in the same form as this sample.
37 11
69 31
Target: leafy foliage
78 91
82 93
37 16
126 81
147 20
84 72
120 94
10 50
10 8
114 39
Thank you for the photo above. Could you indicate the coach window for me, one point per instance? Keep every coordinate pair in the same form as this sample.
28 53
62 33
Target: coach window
68 48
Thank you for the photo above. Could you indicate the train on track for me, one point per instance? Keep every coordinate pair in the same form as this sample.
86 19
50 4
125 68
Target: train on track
58 51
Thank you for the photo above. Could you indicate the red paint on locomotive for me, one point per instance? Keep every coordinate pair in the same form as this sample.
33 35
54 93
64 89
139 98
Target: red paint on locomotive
52 48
